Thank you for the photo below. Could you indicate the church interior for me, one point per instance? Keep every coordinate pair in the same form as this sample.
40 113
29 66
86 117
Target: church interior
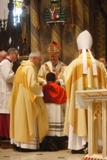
33 24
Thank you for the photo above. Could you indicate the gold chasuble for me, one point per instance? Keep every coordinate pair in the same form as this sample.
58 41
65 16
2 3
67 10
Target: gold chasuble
75 80
26 107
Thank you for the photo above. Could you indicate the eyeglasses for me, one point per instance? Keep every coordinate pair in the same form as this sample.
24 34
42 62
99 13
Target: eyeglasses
17 55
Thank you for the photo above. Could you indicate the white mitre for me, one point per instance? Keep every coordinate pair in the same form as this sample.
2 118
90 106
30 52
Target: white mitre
84 42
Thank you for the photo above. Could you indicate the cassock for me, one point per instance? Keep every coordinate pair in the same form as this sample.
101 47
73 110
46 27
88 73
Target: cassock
55 99
6 83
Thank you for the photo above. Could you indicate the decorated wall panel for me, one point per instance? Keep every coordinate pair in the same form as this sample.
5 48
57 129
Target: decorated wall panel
64 30
101 31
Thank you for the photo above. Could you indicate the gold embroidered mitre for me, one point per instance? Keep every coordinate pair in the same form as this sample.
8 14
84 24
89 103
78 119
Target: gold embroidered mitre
53 48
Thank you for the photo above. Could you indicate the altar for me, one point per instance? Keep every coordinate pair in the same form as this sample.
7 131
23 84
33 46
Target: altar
95 101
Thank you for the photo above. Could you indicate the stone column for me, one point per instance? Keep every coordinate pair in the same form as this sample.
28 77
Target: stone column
34 15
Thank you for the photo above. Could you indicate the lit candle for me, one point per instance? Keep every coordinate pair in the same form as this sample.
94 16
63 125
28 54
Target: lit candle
89 77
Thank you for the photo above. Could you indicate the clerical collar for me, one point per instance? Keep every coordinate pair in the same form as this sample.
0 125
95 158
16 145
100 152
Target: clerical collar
8 59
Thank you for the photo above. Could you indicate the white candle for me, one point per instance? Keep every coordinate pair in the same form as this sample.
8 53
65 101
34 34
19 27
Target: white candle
89 77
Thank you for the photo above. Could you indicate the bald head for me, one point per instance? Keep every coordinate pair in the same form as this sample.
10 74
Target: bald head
3 54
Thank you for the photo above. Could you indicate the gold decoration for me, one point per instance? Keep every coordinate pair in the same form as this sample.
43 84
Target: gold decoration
86 95
34 43
100 95
34 18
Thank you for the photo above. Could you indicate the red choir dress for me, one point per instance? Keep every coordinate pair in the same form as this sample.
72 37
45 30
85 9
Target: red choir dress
55 99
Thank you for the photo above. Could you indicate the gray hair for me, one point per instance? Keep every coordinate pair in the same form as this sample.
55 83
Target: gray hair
11 50
35 53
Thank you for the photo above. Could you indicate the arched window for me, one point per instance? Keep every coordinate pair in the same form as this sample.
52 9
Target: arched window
17 11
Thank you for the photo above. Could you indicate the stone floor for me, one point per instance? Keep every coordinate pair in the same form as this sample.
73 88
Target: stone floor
10 154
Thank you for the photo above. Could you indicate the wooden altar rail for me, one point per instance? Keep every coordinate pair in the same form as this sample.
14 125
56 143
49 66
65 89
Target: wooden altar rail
85 100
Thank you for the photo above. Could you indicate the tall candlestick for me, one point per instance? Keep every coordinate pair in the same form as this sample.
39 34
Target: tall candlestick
89 77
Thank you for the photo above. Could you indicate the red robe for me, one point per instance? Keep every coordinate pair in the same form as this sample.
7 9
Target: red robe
53 93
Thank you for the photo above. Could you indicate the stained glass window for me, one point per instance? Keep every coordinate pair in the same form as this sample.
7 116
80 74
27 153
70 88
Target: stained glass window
17 11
